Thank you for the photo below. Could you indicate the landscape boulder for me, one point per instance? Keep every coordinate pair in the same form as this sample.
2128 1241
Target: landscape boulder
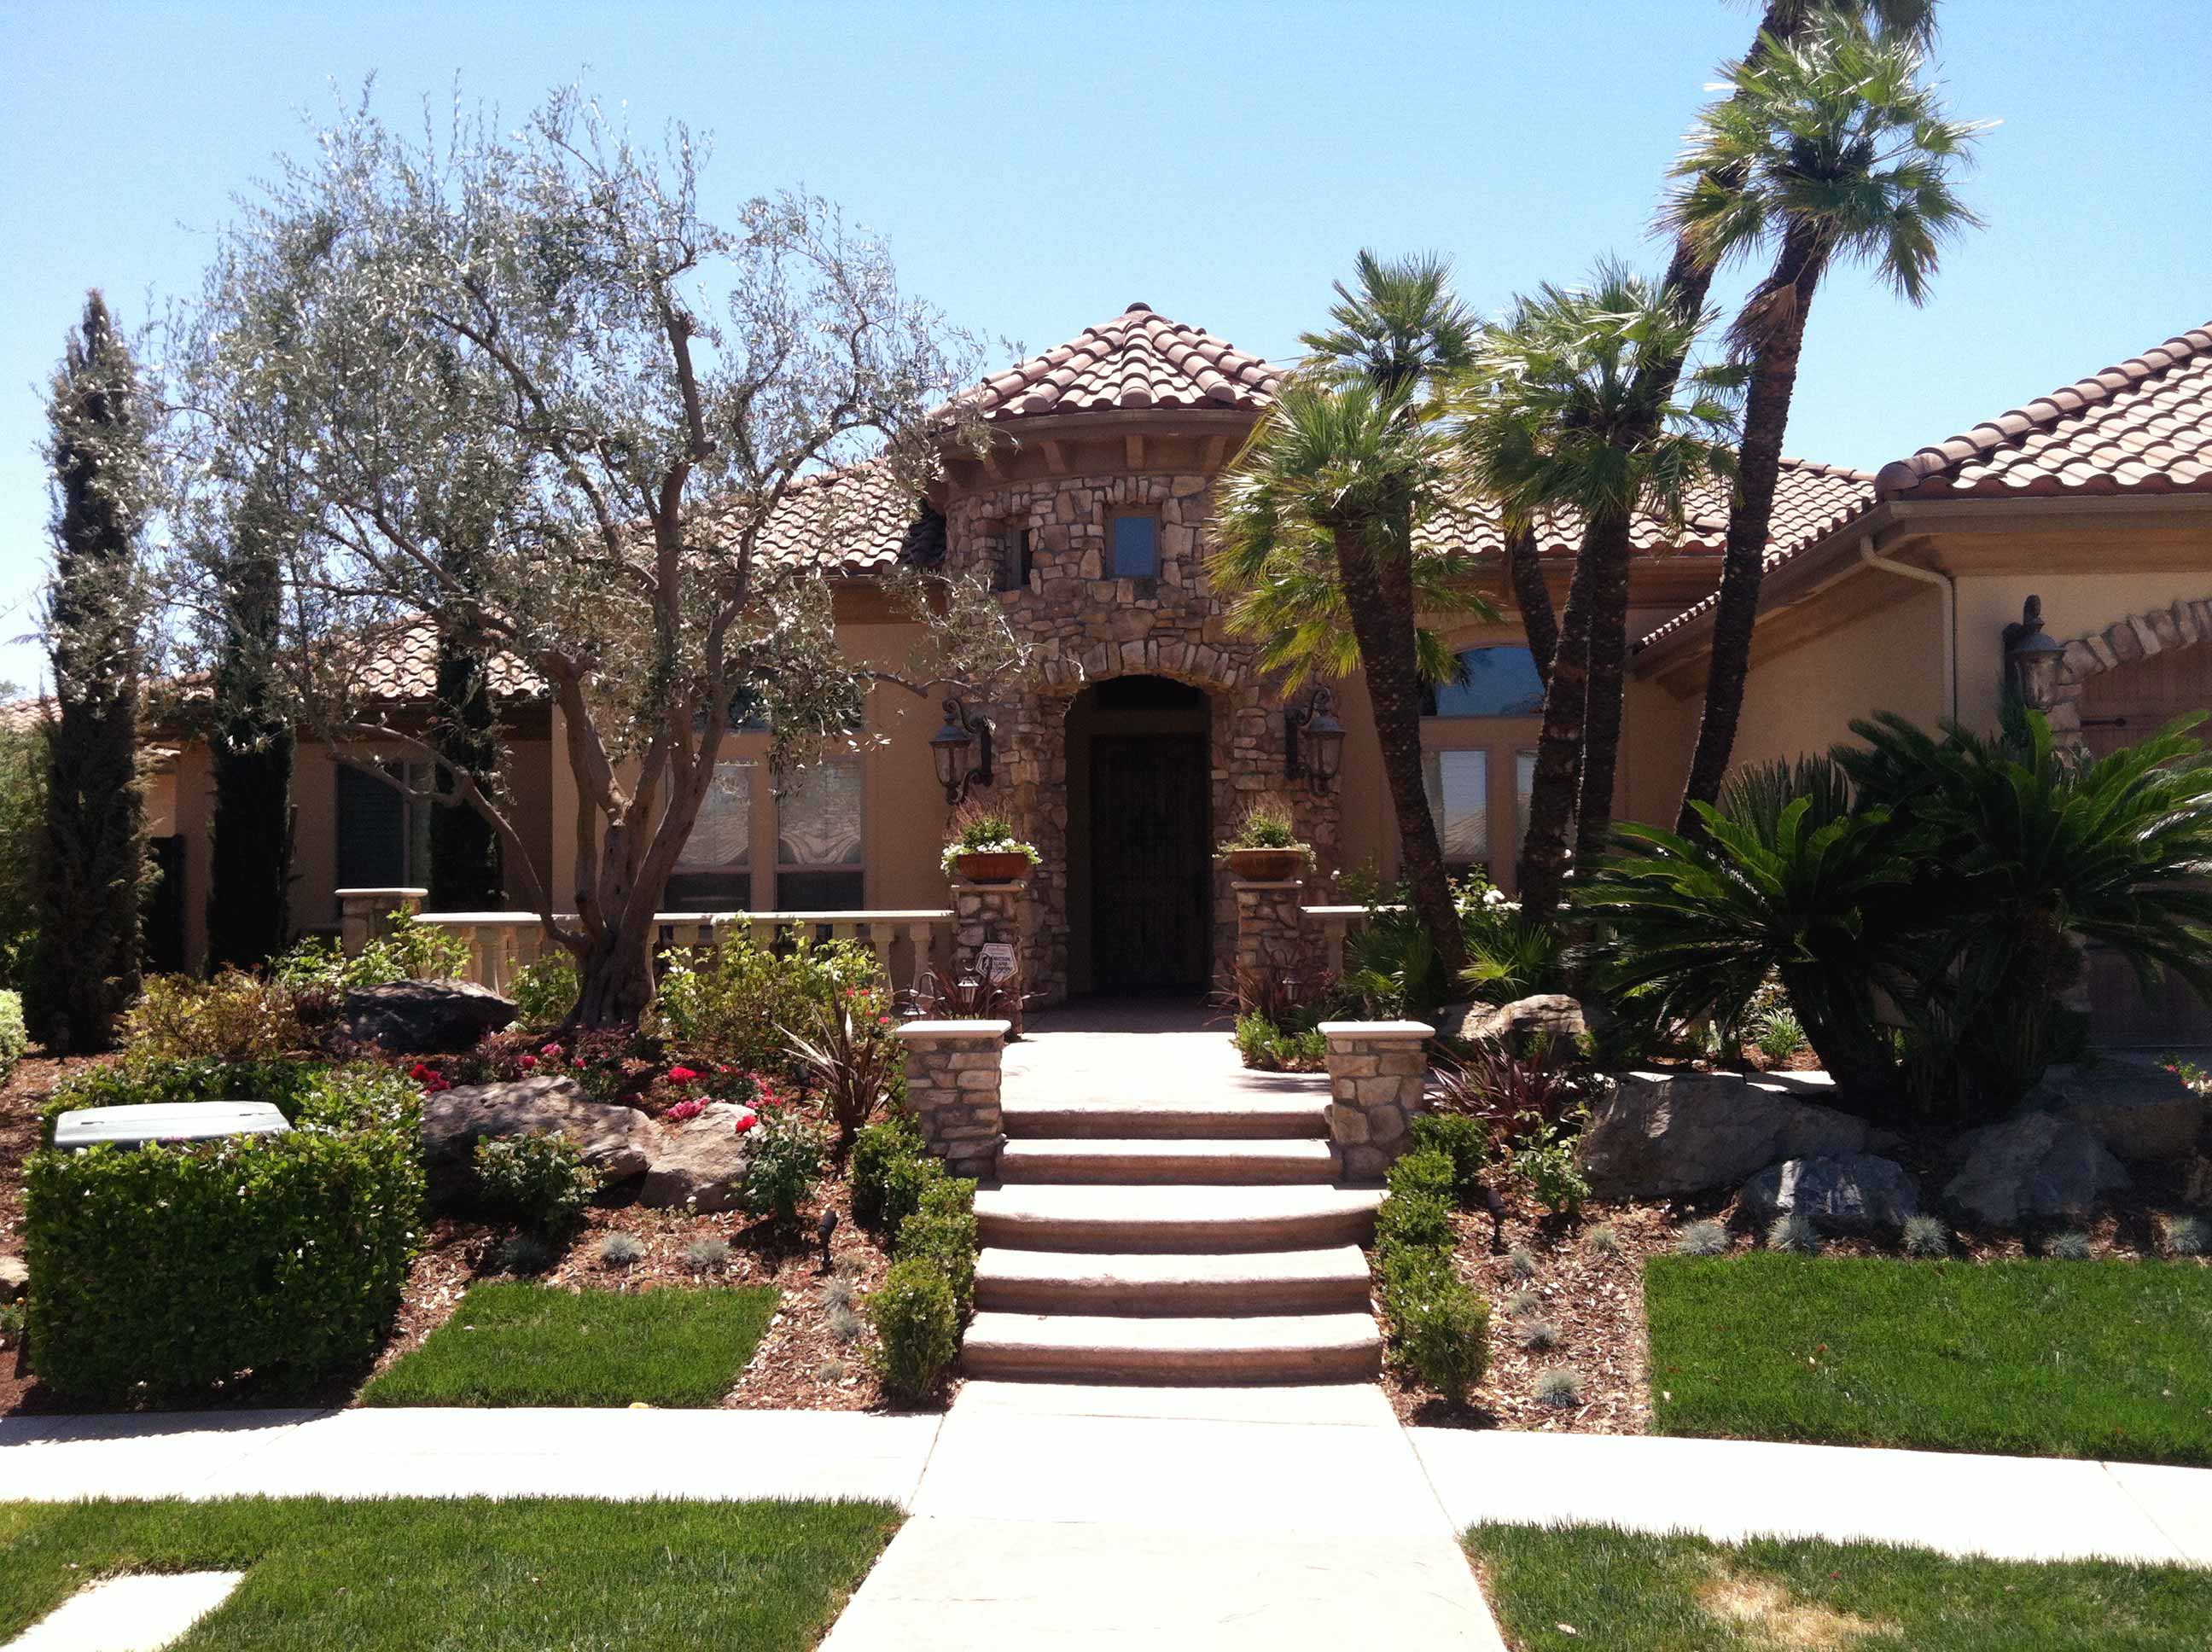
1843 1192
2141 1112
1661 1134
617 1141
1554 1014
2033 1167
700 1164
425 1018
15 1278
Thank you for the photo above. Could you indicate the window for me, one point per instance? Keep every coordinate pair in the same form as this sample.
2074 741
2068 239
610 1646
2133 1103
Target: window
1458 784
818 846
1524 787
1494 683
714 872
1013 572
384 834
1135 543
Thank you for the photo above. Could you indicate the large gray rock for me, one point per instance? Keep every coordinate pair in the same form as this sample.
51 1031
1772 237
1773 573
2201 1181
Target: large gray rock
2033 1167
1847 1193
1552 1013
700 1164
1663 1133
617 1141
425 1018
2141 1112
15 1278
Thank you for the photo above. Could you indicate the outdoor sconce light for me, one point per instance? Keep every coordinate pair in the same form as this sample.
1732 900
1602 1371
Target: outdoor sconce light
2033 663
1313 741
949 747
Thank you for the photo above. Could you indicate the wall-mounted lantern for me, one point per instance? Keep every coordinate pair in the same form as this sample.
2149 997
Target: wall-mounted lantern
2033 663
1313 741
949 747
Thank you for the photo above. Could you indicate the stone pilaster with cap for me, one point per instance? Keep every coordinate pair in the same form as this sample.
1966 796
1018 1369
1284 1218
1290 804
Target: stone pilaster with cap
1378 1072
953 1071
991 914
1272 942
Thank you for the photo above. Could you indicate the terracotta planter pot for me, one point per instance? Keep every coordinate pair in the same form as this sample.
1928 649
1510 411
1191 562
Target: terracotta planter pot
997 867
1268 866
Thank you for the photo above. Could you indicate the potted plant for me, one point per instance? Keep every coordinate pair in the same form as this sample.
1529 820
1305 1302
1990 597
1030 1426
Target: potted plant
984 850
1265 848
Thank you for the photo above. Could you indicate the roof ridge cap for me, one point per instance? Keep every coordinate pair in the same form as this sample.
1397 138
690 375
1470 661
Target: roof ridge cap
1901 476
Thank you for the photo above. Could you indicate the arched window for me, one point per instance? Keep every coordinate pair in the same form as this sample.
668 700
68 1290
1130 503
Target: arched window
1495 682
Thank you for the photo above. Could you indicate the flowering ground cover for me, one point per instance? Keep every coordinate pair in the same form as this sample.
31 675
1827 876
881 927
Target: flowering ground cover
504 1576
513 1343
1562 1589
2028 1355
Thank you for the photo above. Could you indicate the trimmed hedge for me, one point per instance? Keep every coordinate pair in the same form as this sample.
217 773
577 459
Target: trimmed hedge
1439 1326
14 1039
1465 1140
162 1274
922 1305
891 1170
917 1323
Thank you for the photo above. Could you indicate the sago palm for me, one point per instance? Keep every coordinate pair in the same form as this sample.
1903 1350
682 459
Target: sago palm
1553 419
1829 147
1317 525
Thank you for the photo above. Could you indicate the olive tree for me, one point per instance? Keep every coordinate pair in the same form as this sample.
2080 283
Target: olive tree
534 398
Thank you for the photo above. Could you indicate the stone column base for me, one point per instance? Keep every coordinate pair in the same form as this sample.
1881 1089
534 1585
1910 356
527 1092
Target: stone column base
952 1081
1376 1073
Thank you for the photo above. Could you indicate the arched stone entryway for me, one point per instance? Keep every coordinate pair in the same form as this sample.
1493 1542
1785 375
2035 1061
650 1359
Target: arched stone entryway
2121 646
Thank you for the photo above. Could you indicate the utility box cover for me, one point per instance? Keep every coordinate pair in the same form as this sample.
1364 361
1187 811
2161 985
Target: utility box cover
166 1121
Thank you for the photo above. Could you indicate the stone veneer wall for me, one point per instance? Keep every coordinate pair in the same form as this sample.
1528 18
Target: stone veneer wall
1085 628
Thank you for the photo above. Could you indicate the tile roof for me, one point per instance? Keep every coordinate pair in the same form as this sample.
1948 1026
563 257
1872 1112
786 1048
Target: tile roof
857 520
1809 500
402 665
1139 359
2142 427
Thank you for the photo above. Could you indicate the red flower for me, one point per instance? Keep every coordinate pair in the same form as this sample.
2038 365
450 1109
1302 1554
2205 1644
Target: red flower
526 1062
746 1120
681 1075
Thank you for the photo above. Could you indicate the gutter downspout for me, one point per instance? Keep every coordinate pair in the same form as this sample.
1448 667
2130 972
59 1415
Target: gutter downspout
1948 586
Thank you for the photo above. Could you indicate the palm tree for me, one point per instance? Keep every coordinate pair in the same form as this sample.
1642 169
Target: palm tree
1827 147
1553 419
1316 528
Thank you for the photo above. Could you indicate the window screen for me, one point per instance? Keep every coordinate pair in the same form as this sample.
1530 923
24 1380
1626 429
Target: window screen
1136 546
818 846
714 872
1458 784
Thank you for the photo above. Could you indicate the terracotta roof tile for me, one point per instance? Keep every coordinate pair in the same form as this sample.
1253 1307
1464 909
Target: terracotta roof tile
1139 359
2144 426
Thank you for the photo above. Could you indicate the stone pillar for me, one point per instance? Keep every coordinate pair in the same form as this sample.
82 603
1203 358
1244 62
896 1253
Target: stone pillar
1375 1074
1271 937
952 1075
366 914
992 915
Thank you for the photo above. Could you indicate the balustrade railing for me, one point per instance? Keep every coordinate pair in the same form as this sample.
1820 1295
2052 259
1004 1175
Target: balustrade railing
1332 925
502 944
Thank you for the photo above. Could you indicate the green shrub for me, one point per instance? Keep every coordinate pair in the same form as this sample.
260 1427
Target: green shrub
1440 1327
308 1093
1702 1239
1269 823
161 1273
1544 1162
410 951
917 1324
544 991
1267 1047
888 1177
1420 1221
1425 1171
945 1239
1793 1232
539 1180
14 1039
1465 1140
735 1003
1926 1237
788 1153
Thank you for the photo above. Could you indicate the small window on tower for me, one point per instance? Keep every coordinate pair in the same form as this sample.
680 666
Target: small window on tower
1013 571
1135 540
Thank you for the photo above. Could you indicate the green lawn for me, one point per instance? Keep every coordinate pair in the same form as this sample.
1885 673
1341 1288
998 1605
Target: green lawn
492 1576
2037 1357
1576 1589
534 1345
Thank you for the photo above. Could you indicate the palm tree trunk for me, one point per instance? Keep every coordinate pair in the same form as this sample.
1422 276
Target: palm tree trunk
1743 565
1379 598
1542 870
1610 551
1533 597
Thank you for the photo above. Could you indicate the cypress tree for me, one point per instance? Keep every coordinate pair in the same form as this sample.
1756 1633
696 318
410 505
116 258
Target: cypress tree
466 873
249 916
94 868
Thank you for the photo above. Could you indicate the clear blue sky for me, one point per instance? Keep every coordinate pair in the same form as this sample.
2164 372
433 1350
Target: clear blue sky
1037 166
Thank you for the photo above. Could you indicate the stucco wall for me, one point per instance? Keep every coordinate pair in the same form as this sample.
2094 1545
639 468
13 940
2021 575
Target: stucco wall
2074 605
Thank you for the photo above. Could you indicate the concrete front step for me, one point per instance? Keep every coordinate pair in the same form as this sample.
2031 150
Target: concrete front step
1260 1120
1210 1218
1157 1285
1136 1162
1098 1348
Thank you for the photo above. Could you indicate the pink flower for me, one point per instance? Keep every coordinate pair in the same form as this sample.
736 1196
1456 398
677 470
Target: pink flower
551 1051
681 1075
683 1110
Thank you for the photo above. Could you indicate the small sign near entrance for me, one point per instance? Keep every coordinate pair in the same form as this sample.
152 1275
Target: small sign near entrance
995 961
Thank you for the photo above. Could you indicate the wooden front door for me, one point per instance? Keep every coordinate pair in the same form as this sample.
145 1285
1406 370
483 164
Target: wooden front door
1150 872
